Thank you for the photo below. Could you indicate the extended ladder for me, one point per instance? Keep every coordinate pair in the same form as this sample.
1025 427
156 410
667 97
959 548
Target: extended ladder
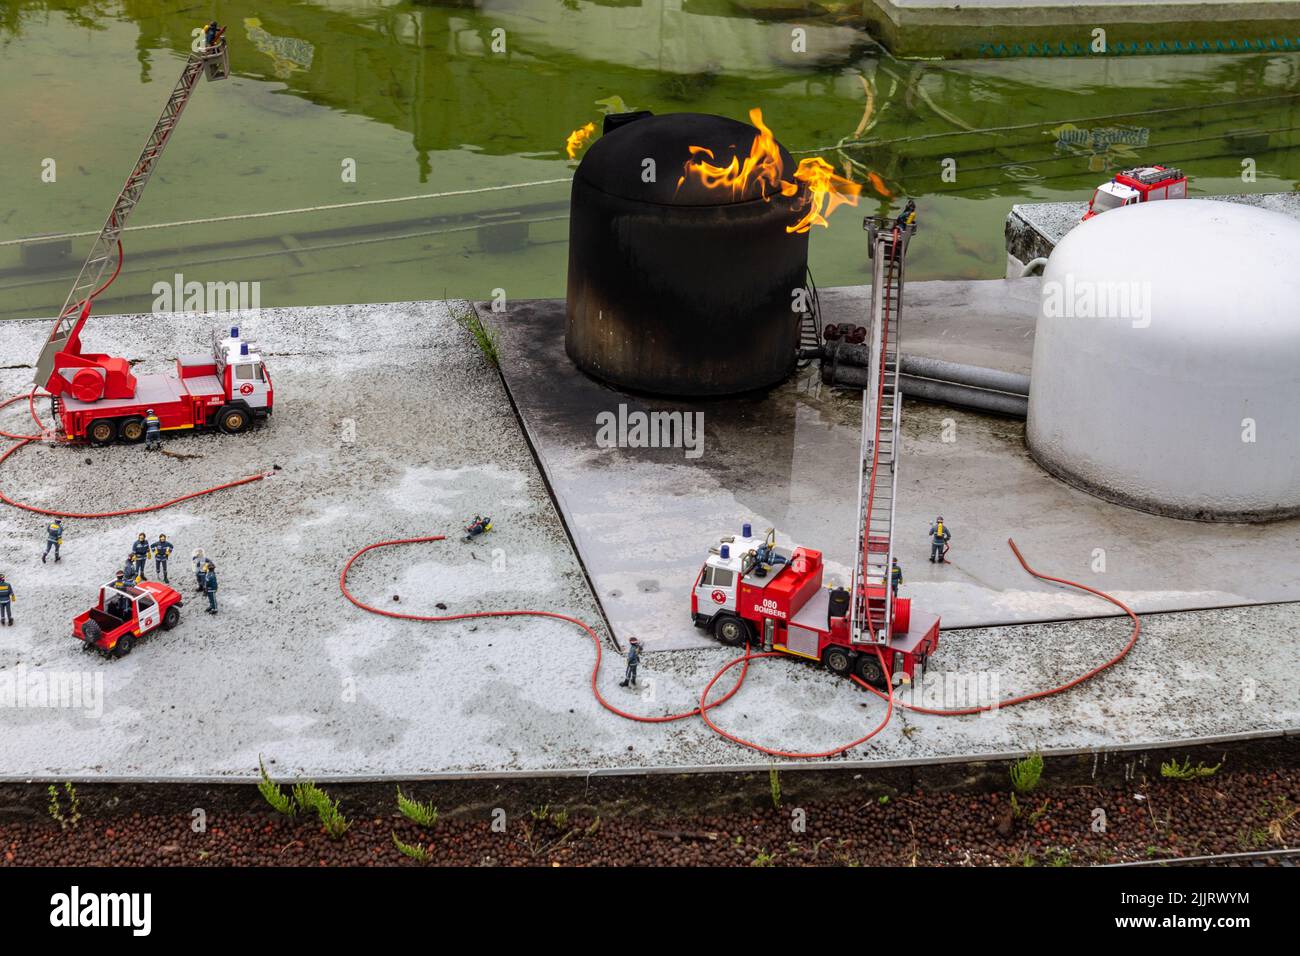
872 612
215 63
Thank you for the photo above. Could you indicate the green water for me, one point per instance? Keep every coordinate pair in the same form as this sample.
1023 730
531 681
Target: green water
415 95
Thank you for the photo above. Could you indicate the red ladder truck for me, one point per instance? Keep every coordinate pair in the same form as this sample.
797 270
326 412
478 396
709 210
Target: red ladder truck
97 396
1140 184
751 591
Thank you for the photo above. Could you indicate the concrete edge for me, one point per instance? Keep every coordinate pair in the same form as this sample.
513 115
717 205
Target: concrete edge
1279 733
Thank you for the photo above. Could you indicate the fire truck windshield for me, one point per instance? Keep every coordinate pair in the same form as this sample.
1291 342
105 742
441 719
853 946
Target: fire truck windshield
1103 200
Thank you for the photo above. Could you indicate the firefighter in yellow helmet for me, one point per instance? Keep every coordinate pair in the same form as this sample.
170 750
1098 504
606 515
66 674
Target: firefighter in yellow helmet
939 538
152 431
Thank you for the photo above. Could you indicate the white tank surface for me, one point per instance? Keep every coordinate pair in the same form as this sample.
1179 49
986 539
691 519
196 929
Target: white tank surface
1166 371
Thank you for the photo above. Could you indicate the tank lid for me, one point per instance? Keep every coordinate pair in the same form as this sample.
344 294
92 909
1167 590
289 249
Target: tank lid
614 164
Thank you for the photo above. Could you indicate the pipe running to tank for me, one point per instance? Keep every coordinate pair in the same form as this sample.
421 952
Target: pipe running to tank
935 380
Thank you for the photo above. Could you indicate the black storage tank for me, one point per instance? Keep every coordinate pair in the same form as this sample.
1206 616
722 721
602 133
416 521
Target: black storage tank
681 291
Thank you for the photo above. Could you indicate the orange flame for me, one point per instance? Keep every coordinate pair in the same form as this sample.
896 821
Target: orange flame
823 189
762 167
879 186
827 191
578 139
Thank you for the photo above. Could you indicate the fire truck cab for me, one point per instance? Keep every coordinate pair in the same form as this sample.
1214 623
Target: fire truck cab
783 606
123 614
1141 184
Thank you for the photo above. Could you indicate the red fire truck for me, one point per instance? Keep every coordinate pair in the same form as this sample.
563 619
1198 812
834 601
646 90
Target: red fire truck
752 591
97 396
1141 184
784 607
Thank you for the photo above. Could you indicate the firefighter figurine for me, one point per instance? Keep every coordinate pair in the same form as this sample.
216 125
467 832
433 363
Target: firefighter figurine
895 576
939 538
6 602
633 659
478 526
162 550
53 539
131 571
212 34
908 216
140 549
200 562
210 587
152 431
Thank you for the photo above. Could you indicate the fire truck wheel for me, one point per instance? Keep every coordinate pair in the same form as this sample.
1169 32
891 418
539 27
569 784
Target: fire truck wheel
131 430
730 630
232 420
102 431
171 618
869 670
837 660
123 645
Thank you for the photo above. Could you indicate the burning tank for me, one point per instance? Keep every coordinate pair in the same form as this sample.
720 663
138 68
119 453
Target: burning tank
688 245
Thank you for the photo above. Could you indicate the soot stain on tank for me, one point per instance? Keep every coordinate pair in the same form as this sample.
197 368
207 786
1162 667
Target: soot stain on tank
675 288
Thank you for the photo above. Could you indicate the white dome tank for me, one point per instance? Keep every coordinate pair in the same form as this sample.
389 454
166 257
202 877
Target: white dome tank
1166 371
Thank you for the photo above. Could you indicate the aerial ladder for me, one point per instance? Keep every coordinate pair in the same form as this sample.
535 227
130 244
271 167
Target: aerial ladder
872 614
61 362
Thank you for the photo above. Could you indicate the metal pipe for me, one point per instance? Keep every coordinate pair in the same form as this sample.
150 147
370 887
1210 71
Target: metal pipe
976 376
1034 267
984 400
837 355
952 393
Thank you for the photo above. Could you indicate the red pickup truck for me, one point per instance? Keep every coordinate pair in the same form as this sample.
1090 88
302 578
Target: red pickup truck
126 613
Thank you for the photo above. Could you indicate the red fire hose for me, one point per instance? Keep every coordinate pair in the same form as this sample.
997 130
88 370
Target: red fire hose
595 638
706 705
24 440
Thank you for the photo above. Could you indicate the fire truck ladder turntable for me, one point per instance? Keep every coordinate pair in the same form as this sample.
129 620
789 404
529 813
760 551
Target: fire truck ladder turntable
872 619
214 61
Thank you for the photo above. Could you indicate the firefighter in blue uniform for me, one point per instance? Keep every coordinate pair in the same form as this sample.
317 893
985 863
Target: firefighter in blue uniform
140 549
908 216
131 570
478 526
895 576
162 550
939 537
210 587
633 659
152 431
6 601
53 539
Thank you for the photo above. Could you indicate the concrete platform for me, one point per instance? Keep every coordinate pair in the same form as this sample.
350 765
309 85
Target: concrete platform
391 424
643 518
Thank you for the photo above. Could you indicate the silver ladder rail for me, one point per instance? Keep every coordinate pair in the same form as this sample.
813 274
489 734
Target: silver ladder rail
215 63
881 407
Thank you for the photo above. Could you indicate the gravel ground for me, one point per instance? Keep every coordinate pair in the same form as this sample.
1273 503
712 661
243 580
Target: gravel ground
1143 821
389 424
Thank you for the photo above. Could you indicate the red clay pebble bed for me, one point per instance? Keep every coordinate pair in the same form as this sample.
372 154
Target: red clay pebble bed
1225 813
